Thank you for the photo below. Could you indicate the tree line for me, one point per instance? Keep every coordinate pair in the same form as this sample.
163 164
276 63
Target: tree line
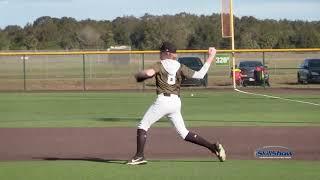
186 31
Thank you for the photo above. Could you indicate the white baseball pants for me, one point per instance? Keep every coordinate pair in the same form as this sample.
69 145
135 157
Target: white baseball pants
169 106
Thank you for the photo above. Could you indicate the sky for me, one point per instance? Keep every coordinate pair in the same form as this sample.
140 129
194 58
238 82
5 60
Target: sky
21 12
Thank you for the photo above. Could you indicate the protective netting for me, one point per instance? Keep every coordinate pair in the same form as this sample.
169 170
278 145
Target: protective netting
105 72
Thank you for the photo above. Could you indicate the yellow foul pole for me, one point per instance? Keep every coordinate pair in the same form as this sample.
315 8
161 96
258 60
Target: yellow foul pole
232 44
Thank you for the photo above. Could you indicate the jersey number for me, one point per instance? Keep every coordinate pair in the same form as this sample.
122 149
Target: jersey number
171 79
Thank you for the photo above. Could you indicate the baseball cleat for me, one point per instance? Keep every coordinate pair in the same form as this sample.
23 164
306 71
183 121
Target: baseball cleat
220 152
137 161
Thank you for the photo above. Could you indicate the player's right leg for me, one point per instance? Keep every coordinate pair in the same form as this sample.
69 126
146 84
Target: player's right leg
139 156
153 114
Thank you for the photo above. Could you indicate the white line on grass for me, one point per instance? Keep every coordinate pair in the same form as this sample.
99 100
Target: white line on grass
275 97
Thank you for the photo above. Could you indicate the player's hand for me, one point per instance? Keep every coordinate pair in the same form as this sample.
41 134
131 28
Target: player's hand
212 53
145 74
141 76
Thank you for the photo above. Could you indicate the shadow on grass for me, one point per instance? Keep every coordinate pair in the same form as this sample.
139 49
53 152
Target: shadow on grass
123 162
183 161
118 119
91 159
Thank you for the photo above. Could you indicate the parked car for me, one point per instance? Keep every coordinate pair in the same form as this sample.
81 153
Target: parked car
254 73
309 71
196 64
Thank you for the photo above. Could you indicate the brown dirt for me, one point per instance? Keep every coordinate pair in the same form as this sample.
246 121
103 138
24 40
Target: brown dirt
163 143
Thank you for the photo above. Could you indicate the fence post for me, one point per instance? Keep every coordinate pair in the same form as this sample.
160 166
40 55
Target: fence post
143 84
24 72
263 62
84 71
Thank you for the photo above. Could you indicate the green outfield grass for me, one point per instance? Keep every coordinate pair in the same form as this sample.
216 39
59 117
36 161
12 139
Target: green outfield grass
161 170
104 109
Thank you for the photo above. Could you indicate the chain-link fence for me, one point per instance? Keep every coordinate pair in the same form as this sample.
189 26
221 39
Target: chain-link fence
113 71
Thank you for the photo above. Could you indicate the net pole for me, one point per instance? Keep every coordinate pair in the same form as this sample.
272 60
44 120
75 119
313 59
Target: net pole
24 73
84 72
232 44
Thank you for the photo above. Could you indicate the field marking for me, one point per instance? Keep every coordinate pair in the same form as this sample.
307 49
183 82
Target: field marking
275 97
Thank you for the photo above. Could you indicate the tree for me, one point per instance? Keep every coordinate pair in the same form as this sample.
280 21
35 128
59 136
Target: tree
186 31
248 41
123 27
16 37
89 38
4 41
207 33
46 32
30 41
67 31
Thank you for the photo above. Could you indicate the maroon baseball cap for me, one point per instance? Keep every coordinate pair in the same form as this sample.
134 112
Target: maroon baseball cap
168 47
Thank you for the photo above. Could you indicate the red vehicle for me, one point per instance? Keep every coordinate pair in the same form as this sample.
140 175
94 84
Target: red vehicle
254 72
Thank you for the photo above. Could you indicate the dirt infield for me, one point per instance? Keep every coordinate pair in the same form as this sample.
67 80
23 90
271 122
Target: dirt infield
163 143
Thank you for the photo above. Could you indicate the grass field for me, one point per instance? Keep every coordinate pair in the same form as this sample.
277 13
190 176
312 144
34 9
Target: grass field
161 170
125 109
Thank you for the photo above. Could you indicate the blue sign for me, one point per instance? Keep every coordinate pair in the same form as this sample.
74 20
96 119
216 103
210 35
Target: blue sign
274 152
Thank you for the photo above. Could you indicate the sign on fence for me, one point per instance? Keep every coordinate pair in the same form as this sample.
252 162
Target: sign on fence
223 59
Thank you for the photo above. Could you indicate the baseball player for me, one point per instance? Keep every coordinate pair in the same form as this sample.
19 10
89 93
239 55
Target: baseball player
168 74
